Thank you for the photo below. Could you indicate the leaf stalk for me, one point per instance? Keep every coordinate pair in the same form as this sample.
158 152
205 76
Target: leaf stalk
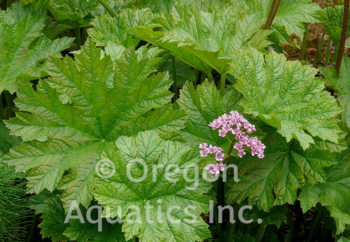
343 36
108 8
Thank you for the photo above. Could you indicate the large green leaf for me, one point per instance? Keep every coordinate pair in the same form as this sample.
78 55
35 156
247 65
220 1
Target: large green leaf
203 106
77 113
333 193
204 40
151 200
107 28
23 46
274 180
286 95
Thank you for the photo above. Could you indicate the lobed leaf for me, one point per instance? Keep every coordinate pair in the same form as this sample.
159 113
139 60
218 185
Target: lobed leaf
287 96
23 47
75 116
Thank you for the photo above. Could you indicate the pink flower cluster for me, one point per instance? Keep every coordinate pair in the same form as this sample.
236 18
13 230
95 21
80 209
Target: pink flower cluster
213 150
214 170
239 126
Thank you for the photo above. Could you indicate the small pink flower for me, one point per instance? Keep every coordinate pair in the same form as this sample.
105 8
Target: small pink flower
244 140
233 121
219 156
227 128
242 134
226 116
261 155
204 152
218 149
220 167
203 145
212 149
348 39
241 153
236 131
222 133
249 131
238 125
238 146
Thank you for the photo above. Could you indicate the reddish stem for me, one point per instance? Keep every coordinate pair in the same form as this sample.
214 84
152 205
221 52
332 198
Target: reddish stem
268 20
343 36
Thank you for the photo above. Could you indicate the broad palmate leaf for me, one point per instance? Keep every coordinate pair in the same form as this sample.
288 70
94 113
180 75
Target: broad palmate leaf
163 204
23 47
77 113
286 95
274 180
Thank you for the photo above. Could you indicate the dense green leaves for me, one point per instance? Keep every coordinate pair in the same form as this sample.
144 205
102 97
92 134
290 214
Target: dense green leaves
111 29
23 47
340 83
332 20
287 96
164 204
6 141
333 193
204 40
75 116
274 180
76 229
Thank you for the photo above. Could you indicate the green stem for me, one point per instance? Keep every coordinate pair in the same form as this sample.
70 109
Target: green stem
315 225
222 84
218 225
336 49
32 229
303 48
328 49
268 20
83 35
343 36
230 149
210 76
233 226
10 104
260 234
270 230
1 108
77 37
319 57
291 227
108 8
175 91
